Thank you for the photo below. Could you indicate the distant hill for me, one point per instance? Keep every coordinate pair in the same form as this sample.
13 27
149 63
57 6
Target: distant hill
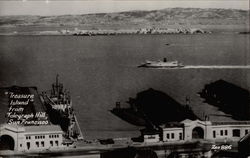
136 19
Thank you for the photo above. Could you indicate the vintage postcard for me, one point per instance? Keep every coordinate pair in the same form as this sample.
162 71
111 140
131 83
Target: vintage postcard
124 79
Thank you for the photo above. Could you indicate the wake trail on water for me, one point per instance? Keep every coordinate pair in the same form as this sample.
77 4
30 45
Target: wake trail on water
201 67
216 67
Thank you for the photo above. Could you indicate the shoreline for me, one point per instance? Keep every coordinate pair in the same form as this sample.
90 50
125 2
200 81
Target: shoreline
142 31
126 30
192 31
32 34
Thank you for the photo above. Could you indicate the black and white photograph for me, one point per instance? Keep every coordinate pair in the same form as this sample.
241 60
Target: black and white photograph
125 78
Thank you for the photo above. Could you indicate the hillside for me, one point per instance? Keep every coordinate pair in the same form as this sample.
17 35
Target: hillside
135 19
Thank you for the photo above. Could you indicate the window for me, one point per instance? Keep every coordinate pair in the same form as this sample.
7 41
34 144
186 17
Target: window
56 142
51 143
21 145
167 135
42 143
151 137
246 132
225 132
180 136
214 134
37 144
28 145
35 137
236 133
172 135
49 136
221 132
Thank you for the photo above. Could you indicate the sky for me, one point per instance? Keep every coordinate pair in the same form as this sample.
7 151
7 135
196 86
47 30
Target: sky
58 7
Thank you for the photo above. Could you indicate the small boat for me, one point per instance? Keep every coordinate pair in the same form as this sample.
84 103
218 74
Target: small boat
162 64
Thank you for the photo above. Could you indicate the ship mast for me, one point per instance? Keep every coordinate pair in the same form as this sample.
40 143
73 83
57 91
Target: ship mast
60 102
57 86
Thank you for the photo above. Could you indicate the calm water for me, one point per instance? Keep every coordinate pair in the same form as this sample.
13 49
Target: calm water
101 70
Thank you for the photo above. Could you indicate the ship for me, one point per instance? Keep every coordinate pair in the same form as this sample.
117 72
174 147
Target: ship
162 64
59 107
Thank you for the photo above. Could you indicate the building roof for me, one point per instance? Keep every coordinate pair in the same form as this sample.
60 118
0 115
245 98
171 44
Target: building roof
189 122
231 123
32 129
186 121
12 127
46 128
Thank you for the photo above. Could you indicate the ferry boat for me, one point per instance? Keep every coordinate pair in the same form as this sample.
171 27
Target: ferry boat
59 106
162 64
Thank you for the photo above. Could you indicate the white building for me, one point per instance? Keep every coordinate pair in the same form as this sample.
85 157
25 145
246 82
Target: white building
172 134
30 138
207 130
150 136
217 131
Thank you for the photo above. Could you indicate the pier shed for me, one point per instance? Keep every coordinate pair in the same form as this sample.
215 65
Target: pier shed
30 138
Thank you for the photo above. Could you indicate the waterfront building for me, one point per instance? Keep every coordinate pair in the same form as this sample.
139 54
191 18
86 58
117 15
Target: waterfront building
30 138
215 131
172 132
150 135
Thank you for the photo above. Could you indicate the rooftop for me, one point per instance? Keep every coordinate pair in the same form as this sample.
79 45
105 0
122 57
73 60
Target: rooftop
232 123
46 128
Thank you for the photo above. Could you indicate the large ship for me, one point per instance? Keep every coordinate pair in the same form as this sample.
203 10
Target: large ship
162 64
59 107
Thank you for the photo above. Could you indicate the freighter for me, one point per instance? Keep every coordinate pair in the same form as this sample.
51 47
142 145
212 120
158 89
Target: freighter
162 64
59 107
